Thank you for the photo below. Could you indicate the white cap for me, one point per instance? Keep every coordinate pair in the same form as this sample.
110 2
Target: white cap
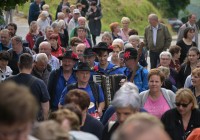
76 11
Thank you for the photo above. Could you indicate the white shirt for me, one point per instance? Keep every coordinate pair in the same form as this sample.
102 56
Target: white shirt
155 29
5 74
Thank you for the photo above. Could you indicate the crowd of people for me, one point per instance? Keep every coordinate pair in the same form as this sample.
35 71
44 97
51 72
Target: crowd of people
60 83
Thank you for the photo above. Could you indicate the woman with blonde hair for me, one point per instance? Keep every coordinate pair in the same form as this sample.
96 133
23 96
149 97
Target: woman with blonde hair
114 57
125 21
184 118
33 34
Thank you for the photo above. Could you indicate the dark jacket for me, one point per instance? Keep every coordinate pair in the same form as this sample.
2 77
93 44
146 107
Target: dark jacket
34 12
109 130
174 125
15 57
183 74
94 25
44 75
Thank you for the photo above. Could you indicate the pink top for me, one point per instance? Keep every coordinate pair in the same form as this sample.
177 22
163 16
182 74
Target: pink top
86 43
156 107
123 35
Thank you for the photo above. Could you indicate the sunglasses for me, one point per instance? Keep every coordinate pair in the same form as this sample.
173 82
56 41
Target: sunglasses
183 105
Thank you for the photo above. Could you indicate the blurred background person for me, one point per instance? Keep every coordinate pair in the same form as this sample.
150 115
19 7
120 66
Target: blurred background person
115 29
186 42
33 34
125 21
107 37
94 16
188 65
5 70
175 52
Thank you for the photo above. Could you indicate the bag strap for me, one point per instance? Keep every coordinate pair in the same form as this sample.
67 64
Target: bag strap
95 91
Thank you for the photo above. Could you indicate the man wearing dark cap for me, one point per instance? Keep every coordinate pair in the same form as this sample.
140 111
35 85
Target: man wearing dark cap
102 50
135 72
89 56
61 77
94 90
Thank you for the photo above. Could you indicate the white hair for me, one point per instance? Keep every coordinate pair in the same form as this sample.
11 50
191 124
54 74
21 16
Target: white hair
127 96
128 45
41 57
165 53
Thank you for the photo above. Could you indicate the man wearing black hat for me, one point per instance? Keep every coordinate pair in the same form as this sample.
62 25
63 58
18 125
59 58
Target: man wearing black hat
89 56
94 90
61 77
102 50
135 72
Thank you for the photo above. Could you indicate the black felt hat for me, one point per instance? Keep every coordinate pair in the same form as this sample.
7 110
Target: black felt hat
130 53
70 55
102 46
88 52
82 66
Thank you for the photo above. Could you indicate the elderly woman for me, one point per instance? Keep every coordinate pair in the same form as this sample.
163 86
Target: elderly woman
33 34
165 59
135 41
63 33
43 21
126 102
196 84
186 43
125 21
188 65
115 29
157 100
180 121
107 37
175 52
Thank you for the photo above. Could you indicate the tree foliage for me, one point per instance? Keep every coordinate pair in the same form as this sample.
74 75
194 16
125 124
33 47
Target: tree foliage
170 8
11 3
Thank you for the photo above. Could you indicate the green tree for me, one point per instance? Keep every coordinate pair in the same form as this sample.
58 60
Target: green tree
10 3
170 8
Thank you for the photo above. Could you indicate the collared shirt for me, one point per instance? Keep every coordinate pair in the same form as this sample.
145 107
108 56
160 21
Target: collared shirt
61 84
155 29
5 48
54 62
89 91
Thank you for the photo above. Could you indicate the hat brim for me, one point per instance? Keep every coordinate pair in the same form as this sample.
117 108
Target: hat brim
61 58
81 69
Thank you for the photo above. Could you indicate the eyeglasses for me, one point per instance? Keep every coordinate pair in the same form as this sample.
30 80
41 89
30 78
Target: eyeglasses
183 105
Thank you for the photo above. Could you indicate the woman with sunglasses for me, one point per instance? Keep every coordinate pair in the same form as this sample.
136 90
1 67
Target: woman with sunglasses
180 121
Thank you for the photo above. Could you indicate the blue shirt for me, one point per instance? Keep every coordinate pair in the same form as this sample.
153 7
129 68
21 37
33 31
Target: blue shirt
140 78
5 48
109 67
89 91
61 84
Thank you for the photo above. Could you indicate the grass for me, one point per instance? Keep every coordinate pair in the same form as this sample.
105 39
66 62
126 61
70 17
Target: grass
113 11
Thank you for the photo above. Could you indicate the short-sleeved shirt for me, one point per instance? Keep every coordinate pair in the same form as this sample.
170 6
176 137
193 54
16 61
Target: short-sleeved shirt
89 91
37 86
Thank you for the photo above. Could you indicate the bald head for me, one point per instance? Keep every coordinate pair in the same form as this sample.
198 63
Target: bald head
82 21
45 47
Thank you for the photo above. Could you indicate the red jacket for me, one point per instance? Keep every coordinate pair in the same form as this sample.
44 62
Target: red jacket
58 52
31 39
